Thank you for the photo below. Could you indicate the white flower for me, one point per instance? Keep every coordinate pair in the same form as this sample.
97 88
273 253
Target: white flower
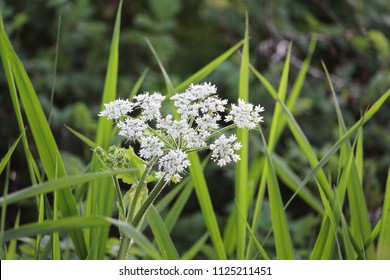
193 139
150 104
151 146
132 128
184 103
201 91
117 108
172 164
173 128
212 104
207 123
223 150
187 105
245 114
181 132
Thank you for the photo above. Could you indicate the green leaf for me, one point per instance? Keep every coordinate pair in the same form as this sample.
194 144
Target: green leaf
196 248
128 200
208 69
101 195
43 137
73 223
138 165
206 206
241 174
54 185
383 247
8 155
161 234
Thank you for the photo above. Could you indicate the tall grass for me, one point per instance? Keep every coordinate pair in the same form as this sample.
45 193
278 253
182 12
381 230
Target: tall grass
344 231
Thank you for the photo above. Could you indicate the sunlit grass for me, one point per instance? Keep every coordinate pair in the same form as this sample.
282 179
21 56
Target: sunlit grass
344 231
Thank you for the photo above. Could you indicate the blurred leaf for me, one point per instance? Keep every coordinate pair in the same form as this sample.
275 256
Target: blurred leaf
165 10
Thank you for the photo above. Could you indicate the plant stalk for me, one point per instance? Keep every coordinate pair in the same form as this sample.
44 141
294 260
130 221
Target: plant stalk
125 241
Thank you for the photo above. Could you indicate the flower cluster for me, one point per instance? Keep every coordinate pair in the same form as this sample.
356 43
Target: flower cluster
165 140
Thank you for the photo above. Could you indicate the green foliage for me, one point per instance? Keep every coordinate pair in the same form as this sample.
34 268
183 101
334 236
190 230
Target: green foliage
312 184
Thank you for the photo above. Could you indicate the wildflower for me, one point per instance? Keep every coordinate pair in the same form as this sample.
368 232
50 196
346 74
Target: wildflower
171 127
151 146
165 141
132 128
201 91
150 105
117 108
198 97
172 165
223 150
245 114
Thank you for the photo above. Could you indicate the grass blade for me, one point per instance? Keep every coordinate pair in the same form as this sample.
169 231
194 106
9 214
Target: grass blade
102 193
291 180
206 206
208 69
196 248
56 185
241 178
299 136
73 223
383 247
44 140
168 82
360 222
161 234
283 243
6 158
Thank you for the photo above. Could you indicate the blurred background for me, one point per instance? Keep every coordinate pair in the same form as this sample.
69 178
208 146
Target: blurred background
353 42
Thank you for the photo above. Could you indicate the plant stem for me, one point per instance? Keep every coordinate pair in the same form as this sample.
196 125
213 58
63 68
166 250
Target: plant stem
121 206
125 241
230 126
149 200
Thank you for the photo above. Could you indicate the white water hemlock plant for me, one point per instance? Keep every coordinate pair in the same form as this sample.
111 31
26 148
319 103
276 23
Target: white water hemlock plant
164 142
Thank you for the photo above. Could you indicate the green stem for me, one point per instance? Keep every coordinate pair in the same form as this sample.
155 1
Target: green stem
230 126
138 190
149 200
125 241
119 196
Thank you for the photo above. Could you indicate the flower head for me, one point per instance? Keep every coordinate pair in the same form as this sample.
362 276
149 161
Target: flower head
151 146
117 108
223 150
132 128
172 165
198 97
164 141
150 105
245 114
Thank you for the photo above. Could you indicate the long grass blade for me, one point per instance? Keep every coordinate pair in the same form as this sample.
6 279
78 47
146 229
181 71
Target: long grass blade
283 243
241 178
12 247
209 68
296 87
72 223
102 193
196 248
360 223
44 140
291 180
161 234
5 47
206 205
168 82
383 247
56 185
6 158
